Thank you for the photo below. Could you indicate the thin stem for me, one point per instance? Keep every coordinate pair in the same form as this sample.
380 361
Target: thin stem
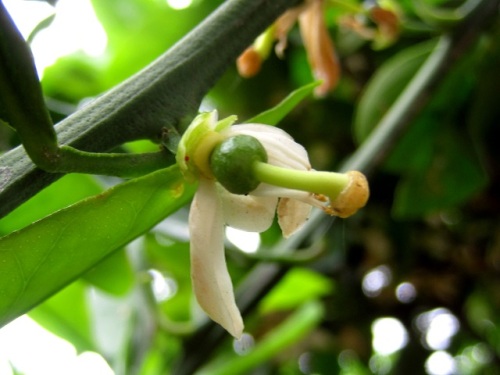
264 43
111 164
327 183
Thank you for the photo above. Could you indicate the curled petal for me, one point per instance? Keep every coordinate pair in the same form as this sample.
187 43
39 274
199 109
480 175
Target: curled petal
211 281
247 212
283 25
292 214
319 47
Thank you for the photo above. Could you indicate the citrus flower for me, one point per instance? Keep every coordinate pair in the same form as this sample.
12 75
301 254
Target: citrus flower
246 174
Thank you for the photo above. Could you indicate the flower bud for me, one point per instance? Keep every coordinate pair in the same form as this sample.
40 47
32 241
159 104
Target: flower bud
232 163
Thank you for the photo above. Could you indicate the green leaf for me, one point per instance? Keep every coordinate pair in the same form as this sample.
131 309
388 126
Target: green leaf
113 274
386 85
42 258
276 114
66 315
67 190
300 323
299 286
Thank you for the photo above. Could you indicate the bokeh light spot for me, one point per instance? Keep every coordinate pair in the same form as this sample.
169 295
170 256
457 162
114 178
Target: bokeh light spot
375 280
389 335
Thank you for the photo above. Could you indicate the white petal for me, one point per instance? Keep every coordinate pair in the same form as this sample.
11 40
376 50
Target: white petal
246 212
211 281
292 214
282 150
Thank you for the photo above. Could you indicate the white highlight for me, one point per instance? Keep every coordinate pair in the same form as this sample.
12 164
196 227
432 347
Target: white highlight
163 287
75 28
248 242
440 363
389 335
27 14
179 4
35 351
438 327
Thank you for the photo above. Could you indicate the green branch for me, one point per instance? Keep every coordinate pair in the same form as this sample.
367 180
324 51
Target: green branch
163 94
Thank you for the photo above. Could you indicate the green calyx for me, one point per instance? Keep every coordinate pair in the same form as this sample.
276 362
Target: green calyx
197 143
232 162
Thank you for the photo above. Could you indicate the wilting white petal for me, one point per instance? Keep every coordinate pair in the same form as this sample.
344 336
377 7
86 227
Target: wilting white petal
246 212
266 190
292 214
211 281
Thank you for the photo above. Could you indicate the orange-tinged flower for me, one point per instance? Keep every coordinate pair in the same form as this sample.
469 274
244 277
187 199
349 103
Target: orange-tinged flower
317 42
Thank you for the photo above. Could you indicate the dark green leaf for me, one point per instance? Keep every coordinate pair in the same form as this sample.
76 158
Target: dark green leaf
276 114
453 175
386 85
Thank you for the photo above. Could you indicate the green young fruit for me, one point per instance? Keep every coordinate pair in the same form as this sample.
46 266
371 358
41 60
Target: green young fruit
232 163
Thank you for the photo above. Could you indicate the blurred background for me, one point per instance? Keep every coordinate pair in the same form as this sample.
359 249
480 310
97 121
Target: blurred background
409 285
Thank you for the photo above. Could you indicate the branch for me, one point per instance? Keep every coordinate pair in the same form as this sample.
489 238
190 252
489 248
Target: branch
163 94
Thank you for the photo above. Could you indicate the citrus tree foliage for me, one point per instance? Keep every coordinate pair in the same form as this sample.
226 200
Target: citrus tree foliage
415 108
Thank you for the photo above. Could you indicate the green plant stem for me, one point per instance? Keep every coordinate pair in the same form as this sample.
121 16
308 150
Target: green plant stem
166 93
120 165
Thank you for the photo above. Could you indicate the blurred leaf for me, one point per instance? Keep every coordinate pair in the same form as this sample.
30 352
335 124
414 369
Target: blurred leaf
113 274
299 324
452 176
299 286
277 113
83 77
415 151
47 255
439 163
172 258
66 315
386 85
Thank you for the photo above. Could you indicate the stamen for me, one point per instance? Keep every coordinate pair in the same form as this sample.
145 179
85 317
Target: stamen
339 194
